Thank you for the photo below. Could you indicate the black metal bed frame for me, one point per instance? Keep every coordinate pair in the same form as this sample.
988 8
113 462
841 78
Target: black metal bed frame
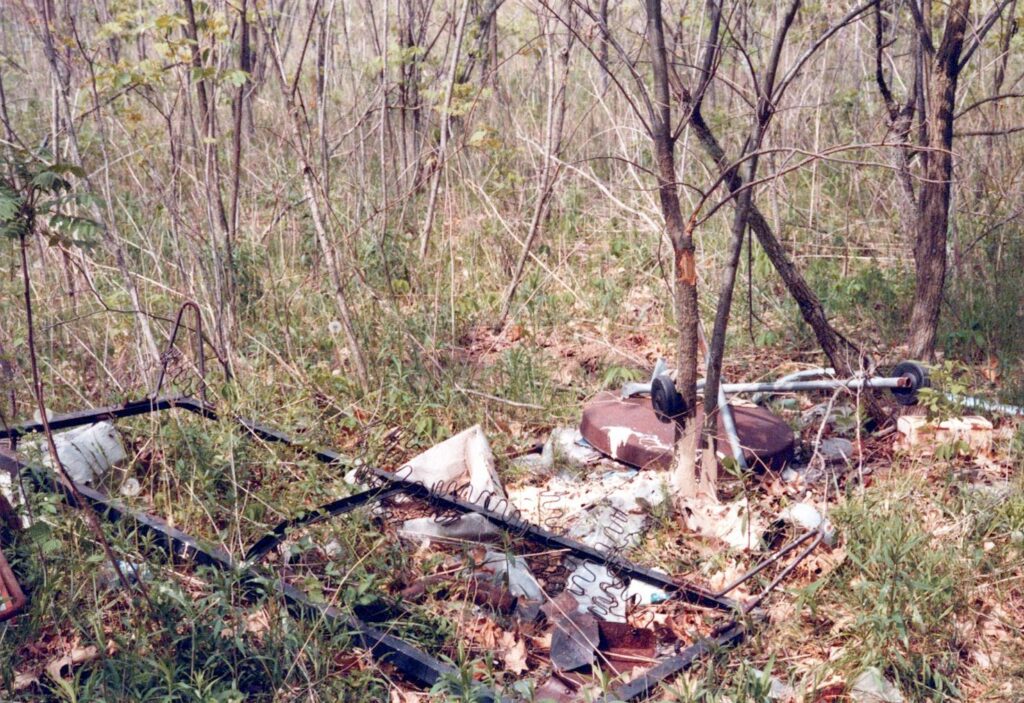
419 666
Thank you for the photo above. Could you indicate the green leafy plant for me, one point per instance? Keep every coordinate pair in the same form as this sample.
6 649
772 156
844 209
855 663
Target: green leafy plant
947 382
38 192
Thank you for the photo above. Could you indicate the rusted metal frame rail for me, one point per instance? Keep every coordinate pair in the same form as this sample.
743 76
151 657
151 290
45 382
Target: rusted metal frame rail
418 665
13 598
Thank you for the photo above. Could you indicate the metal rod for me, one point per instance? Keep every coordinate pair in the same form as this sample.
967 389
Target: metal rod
198 342
339 507
982 404
729 422
797 376
789 386
820 385
785 572
769 561
646 681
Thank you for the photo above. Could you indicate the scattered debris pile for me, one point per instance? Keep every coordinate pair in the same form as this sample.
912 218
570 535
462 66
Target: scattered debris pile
538 578
482 579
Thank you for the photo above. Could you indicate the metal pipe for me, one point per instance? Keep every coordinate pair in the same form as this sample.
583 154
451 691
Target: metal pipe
797 376
730 430
769 561
822 385
982 404
750 605
789 386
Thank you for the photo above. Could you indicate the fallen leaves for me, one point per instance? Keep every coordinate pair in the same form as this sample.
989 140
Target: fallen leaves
732 523
58 669
514 653
62 668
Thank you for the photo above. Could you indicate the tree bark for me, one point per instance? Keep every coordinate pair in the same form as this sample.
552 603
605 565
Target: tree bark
685 269
936 186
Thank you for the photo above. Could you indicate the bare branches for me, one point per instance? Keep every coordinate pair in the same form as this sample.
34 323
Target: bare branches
924 33
798 65
446 105
978 35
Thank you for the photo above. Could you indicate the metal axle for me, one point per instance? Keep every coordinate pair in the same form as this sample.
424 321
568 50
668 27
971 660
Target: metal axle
784 386
824 384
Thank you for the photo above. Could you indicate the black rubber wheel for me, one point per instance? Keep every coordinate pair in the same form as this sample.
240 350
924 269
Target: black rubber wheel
665 399
918 375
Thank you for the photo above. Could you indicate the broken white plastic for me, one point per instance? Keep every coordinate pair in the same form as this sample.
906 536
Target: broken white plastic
87 453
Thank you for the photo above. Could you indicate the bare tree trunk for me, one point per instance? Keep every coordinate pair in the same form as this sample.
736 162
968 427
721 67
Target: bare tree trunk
602 46
846 357
239 109
685 270
901 119
936 185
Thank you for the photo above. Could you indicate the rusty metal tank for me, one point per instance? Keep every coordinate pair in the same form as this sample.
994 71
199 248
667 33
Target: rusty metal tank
627 429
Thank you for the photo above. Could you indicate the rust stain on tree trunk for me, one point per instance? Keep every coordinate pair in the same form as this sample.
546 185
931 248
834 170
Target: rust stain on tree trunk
686 267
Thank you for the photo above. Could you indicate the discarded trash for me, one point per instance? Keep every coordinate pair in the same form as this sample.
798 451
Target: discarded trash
871 686
568 444
60 669
597 591
461 465
629 430
624 647
643 593
131 487
626 639
461 460
576 635
916 431
534 463
732 523
836 450
512 572
807 517
13 496
841 418
86 452
467 527
12 598
495 597
609 528
132 571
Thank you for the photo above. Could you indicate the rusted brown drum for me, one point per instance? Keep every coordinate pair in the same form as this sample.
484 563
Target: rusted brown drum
626 429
